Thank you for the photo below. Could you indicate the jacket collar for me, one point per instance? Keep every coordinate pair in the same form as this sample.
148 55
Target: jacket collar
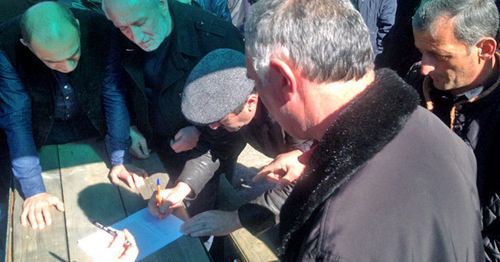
362 129
428 87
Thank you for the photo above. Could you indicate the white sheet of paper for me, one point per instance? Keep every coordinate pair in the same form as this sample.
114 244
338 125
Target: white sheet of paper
149 232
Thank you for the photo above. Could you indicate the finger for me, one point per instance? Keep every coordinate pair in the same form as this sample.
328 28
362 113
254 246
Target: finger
130 181
114 178
137 152
152 207
116 247
39 216
176 146
273 178
47 216
54 201
194 226
178 135
131 252
202 233
144 147
187 227
165 206
129 236
60 206
24 217
138 180
262 174
32 219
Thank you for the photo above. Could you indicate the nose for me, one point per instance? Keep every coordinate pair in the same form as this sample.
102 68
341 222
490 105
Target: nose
136 34
66 66
215 125
428 65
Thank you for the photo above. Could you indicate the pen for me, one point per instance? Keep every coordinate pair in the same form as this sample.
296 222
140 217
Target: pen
109 230
158 196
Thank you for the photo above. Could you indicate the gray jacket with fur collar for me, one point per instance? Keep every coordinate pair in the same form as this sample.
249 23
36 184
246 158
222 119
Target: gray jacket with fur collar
388 182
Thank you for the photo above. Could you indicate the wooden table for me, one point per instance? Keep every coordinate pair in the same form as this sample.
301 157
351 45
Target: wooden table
77 173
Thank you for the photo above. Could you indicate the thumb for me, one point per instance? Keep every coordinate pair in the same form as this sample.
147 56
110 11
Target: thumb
144 146
54 201
178 135
114 178
262 174
60 206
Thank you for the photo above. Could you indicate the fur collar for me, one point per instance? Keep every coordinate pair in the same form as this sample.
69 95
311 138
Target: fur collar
362 129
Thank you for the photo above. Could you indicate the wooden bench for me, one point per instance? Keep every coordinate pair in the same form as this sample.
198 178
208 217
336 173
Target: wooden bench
249 247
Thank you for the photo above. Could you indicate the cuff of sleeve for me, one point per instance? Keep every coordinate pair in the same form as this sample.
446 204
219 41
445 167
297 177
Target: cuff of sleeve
118 151
32 186
306 146
195 187
256 219
28 172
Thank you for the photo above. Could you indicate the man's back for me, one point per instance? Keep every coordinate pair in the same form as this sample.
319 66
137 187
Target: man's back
415 199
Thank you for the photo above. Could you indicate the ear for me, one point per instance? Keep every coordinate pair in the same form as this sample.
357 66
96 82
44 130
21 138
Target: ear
283 77
252 101
487 47
163 5
23 42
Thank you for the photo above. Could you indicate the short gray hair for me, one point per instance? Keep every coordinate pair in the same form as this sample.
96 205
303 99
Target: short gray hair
326 39
474 19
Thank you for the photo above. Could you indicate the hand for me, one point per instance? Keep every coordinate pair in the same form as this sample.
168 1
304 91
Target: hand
212 222
185 140
133 175
36 209
118 250
170 199
284 169
139 147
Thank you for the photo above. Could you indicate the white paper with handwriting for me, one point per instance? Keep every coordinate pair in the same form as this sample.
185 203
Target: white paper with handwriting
149 232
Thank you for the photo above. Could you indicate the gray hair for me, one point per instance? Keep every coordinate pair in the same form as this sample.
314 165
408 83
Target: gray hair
474 19
327 40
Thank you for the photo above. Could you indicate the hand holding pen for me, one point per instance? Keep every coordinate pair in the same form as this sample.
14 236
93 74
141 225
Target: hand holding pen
113 232
163 201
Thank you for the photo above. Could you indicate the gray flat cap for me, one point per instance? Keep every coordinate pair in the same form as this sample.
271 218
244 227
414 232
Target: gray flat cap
216 87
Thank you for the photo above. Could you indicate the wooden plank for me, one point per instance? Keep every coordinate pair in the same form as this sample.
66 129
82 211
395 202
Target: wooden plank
136 199
88 193
32 245
249 247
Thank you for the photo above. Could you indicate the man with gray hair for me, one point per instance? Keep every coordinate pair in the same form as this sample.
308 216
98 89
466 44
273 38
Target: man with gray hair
458 80
376 188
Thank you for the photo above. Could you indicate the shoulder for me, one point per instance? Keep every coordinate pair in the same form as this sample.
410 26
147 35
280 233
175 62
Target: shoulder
92 21
201 21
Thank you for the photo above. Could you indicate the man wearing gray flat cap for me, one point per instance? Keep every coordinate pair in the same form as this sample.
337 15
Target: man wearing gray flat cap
218 93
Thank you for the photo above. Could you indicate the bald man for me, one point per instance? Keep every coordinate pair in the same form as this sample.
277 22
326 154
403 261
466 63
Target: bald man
60 81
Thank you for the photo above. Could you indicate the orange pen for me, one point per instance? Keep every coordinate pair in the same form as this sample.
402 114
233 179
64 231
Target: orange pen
158 195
